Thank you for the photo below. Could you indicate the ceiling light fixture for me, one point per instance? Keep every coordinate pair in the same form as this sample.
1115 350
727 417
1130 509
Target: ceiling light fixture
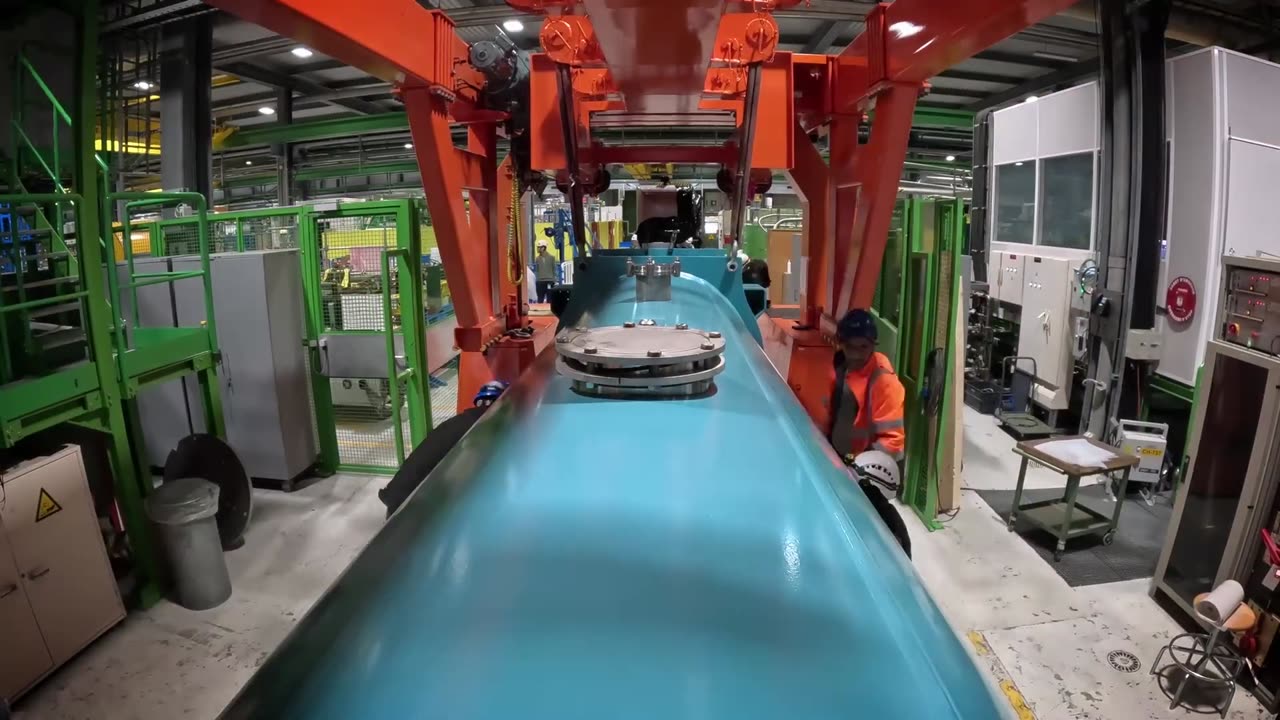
248 162
1032 98
408 146
143 85
267 110
302 52
951 158
513 25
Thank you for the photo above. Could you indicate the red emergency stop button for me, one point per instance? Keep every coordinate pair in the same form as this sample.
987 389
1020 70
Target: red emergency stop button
1233 329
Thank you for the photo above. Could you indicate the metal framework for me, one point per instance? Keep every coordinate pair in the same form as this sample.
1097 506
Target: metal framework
52 285
326 237
716 65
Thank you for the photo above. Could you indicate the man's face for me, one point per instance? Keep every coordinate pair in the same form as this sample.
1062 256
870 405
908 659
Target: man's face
542 249
857 351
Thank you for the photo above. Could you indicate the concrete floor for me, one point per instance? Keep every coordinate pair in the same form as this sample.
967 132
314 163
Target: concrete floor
1045 642
169 662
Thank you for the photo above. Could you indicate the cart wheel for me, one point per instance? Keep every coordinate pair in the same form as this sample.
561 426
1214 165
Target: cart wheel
1057 556
1110 537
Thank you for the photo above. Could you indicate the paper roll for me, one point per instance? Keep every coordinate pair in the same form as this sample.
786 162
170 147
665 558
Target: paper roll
1219 604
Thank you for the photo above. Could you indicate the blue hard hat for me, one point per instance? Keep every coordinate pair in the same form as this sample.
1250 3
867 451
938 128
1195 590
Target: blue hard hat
489 393
856 324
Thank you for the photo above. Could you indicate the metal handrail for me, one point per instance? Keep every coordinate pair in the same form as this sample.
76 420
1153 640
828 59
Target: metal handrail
134 200
23 305
394 376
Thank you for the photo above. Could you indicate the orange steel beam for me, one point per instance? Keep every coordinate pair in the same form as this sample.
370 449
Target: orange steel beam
812 179
921 38
636 63
691 155
398 41
418 51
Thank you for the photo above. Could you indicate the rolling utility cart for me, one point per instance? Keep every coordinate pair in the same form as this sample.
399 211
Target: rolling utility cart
1064 518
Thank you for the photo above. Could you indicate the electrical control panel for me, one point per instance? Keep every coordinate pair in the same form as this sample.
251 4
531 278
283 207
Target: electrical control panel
1251 307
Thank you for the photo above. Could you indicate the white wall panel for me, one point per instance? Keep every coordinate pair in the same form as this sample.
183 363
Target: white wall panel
1253 98
1013 134
1253 193
1068 121
1193 248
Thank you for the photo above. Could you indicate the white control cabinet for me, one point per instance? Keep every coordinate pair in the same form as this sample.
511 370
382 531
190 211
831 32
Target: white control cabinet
1046 328
1007 277
57 590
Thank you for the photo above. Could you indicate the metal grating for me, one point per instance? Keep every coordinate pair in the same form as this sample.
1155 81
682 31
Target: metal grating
444 392
362 422
184 238
351 250
351 271
270 233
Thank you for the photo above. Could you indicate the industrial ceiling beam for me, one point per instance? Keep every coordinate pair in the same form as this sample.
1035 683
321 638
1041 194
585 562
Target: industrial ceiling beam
825 36
980 77
254 48
1069 75
938 89
306 88
1017 59
312 130
157 14
329 97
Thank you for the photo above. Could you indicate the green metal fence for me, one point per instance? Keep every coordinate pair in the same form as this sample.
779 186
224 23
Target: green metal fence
362 422
356 299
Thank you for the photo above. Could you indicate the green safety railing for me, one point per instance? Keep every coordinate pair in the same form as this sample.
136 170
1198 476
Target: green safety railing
23 71
394 376
24 305
133 201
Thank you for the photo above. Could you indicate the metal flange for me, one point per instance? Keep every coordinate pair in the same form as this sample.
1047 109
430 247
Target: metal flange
640 359
618 346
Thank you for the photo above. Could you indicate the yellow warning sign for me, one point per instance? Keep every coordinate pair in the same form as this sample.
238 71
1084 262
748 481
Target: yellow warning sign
46 506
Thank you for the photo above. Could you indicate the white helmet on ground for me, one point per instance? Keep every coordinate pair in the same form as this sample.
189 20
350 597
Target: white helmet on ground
879 467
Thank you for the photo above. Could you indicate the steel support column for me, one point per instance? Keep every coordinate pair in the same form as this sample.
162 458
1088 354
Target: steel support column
282 151
812 179
185 81
878 167
1131 190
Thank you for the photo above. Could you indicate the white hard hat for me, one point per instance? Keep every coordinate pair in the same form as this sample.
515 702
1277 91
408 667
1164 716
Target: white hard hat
877 466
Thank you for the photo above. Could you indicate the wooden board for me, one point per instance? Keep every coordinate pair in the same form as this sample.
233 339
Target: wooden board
782 250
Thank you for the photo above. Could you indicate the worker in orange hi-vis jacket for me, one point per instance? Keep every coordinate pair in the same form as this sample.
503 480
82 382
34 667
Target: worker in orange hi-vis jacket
866 408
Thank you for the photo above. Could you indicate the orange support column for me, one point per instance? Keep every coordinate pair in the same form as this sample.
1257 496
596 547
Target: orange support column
845 193
878 169
811 177
442 180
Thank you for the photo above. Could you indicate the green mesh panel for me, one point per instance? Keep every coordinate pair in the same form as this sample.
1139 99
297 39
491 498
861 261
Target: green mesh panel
270 233
350 271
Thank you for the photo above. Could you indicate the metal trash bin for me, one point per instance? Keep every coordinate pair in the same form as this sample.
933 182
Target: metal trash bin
183 511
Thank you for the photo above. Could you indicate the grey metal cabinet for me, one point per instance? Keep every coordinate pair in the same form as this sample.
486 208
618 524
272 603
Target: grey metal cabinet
257 298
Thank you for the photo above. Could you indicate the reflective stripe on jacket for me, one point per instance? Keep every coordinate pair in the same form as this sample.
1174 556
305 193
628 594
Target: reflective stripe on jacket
867 414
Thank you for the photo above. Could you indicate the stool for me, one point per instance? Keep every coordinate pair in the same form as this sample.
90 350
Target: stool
1202 657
